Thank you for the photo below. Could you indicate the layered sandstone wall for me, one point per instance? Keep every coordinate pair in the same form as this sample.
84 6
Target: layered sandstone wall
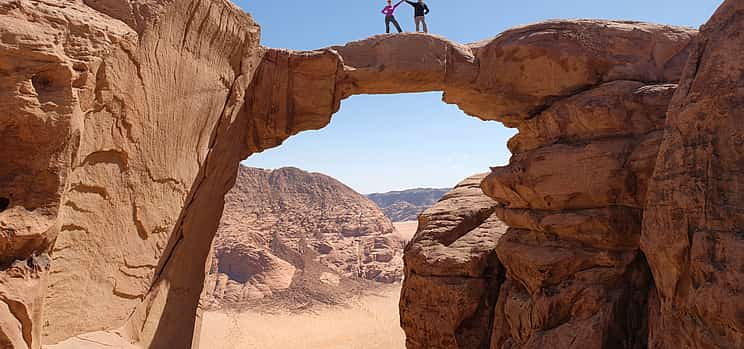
692 227
47 63
573 196
569 268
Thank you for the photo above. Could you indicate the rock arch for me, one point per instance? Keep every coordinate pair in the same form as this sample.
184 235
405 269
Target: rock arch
154 103
589 99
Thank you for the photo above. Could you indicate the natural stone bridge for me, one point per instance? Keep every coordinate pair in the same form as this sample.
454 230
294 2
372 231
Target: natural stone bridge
126 120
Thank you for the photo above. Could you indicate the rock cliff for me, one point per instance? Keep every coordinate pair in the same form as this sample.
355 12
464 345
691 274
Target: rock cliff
299 238
452 260
117 118
692 227
125 122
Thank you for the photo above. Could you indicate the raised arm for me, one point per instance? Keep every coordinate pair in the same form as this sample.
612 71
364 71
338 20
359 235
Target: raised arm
399 2
411 3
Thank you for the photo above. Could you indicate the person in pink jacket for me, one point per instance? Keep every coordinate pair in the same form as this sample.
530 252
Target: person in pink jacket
389 12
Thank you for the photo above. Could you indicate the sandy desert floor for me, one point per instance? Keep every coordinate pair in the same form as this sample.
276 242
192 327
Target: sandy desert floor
368 322
405 230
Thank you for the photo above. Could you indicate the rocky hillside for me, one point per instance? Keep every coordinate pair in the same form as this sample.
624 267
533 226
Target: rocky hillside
406 205
298 237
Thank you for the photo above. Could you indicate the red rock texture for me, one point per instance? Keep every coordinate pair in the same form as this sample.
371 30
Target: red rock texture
692 227
573 196
115 111
126 121
452 274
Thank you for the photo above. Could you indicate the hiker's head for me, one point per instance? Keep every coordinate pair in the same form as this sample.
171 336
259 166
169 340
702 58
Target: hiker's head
421 1
390 2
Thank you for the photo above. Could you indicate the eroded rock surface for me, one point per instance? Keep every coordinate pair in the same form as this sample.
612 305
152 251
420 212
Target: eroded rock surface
452 274
130 118
112 110
510 78
573 196
47 62
692 228
291 231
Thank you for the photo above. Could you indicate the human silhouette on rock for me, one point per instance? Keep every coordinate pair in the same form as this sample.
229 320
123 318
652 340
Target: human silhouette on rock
389 12
420 10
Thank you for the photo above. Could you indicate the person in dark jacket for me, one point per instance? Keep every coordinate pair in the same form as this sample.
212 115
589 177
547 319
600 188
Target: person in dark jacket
420 10
389 12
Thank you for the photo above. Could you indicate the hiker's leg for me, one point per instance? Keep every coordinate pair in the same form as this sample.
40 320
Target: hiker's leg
423 20
387 24
397 26
417 19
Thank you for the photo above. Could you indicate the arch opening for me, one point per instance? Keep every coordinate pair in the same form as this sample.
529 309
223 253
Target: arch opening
589 130
348 257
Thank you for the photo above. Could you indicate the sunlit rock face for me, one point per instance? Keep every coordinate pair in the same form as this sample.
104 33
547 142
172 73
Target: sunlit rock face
452 260
573 196
125 122
692 227
114 162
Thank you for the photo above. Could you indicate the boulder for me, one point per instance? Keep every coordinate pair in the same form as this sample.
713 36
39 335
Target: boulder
452 275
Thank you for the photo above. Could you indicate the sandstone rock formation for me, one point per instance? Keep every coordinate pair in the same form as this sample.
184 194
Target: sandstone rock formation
126 120
692 227
117 118
406 205
452 272
290 230
573 199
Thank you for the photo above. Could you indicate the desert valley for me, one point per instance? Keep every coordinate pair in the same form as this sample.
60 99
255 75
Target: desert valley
301 253
127 219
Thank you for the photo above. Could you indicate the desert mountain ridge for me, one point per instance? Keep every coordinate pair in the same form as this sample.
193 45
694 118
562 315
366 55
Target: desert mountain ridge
406 205
291 238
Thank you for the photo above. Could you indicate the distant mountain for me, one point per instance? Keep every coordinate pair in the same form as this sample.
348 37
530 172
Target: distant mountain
291 236
406 205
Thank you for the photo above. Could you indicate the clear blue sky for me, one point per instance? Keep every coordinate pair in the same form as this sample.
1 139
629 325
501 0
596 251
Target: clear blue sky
390 142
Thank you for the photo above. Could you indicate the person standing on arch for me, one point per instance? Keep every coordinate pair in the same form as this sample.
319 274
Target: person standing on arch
389 12
419 16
